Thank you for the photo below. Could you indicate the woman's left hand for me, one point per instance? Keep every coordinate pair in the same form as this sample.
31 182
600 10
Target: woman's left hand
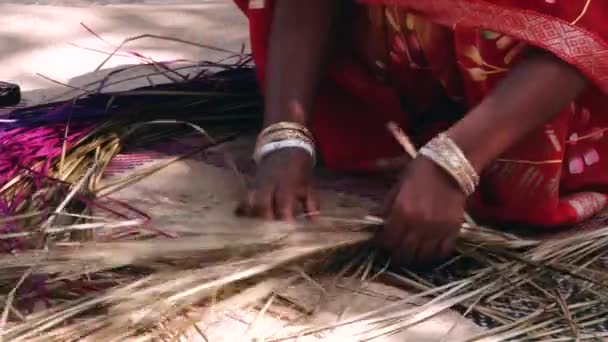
425 213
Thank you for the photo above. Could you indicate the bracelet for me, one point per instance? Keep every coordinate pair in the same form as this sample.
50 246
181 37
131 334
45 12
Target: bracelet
286 126
268 148
447 155
283 135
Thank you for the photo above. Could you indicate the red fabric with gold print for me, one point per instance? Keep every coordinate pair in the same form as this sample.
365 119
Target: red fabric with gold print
423 63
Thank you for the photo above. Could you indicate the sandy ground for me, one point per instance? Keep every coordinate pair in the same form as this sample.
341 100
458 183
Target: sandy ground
49 40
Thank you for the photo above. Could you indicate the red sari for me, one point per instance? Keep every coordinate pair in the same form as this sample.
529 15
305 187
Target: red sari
424 63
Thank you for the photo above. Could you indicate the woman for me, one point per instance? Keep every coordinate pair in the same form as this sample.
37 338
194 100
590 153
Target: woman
518 88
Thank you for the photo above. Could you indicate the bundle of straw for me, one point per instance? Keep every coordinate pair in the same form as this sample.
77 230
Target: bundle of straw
147 287
49 150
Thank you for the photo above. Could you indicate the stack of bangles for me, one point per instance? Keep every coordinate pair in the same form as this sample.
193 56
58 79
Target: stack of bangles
441 150
447 155
281 136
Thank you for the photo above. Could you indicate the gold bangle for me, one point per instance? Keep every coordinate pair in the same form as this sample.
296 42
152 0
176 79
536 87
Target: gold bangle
282 126
283 135
464 162
448 156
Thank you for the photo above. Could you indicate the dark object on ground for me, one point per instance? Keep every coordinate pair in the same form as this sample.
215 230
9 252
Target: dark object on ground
10 94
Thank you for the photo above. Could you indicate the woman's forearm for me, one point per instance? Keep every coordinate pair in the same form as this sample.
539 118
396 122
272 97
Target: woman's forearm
299 46
535 90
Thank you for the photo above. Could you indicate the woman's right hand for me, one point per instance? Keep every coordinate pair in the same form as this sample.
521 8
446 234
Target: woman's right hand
283 184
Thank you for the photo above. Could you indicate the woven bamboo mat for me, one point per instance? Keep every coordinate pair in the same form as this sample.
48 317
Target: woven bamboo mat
354 191
202 190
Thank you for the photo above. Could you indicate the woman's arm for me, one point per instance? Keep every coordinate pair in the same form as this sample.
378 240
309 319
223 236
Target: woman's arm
299 47
534 91
299 44
426 213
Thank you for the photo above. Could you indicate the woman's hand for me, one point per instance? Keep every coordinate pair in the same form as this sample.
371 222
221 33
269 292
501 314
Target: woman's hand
428 208
283 183
301 35
425 213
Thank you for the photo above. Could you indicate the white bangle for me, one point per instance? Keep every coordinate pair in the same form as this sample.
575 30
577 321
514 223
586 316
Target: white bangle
271 147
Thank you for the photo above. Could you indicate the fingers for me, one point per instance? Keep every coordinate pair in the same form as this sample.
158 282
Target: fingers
279 204
262 204
407 252
286 204
421 251
446 246
257 203
391 236
427 253
242 209
413 242
245 206
281 182
389 201
417 251
311 206
283 203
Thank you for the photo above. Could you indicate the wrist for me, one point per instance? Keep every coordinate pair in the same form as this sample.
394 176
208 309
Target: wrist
293 146
426 166
294 112
289 157
447 155
284 136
